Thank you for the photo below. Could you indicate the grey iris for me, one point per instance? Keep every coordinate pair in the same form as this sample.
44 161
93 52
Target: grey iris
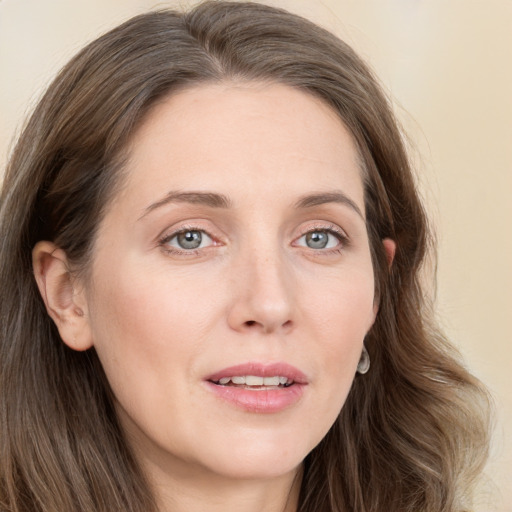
190 239
317 239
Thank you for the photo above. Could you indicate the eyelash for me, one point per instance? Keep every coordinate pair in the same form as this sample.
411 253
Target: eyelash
331 229
164 241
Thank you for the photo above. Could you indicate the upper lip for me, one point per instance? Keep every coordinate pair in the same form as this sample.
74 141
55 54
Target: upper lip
261 370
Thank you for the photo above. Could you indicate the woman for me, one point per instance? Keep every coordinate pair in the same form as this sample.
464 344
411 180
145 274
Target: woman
211 241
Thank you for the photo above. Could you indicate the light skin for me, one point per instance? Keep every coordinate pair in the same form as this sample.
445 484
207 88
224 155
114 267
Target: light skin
265 180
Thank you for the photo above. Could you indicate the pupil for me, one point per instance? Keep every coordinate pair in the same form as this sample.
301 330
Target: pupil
190 239
316 239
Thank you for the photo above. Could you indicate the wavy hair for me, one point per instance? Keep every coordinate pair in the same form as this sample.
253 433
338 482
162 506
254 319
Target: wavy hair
413 432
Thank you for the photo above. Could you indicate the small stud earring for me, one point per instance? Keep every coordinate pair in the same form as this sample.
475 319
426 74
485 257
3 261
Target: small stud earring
364 362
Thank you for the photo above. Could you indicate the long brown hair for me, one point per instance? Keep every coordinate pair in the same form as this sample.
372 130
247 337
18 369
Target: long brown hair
413 432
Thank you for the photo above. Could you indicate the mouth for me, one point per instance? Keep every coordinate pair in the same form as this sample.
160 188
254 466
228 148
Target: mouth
255 375
260 388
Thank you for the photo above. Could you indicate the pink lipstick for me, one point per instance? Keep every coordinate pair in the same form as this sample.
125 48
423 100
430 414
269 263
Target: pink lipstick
257 387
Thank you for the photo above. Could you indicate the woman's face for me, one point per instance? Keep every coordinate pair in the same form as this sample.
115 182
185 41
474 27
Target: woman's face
235 252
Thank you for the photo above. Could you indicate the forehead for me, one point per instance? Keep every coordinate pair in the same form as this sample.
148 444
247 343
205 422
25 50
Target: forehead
266 137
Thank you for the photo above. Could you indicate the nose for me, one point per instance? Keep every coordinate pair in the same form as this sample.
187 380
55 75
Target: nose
263 295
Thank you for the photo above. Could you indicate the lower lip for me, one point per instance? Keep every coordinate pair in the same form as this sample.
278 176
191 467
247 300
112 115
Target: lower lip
259 400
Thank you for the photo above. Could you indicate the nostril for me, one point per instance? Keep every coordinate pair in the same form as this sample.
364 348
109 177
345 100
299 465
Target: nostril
250 323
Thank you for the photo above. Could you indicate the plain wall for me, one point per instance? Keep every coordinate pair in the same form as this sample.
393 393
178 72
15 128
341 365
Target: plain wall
448 66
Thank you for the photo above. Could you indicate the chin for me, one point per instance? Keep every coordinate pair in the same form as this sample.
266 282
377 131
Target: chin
260 468
258 457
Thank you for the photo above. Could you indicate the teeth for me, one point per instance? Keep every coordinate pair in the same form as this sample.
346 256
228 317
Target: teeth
251 380
254 380
271 381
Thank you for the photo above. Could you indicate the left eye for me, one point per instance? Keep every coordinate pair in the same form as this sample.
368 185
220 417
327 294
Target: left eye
190 239
319 239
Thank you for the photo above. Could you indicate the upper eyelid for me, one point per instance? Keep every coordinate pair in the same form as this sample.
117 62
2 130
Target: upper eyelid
171 232
327 226
174 234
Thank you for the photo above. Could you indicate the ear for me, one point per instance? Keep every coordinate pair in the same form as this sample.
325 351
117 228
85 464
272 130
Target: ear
390 250
64 299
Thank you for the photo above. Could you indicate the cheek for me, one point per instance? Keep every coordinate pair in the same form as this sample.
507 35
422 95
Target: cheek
147 334
342 306
136 320
340 311
147 310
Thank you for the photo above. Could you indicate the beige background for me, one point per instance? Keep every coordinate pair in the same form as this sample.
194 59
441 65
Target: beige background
448 65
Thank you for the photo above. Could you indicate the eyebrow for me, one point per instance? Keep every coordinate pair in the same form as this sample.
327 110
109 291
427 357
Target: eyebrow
210 199
318 199
215 200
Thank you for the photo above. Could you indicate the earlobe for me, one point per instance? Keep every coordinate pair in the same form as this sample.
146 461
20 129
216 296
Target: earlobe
65 304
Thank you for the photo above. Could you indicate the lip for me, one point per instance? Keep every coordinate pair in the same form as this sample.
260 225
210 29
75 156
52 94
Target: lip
259 400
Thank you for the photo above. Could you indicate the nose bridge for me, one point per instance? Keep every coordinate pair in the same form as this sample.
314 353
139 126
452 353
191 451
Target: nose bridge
264 295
